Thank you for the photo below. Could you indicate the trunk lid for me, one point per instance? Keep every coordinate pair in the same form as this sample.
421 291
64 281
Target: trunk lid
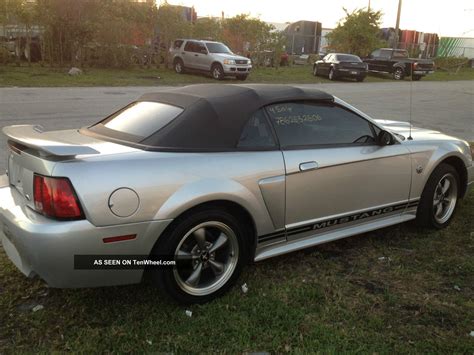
353 65
31 150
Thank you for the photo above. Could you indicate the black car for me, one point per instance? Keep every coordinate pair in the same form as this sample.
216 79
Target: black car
338 65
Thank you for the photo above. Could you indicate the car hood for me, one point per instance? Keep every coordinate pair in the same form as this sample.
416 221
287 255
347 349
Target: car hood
402 128
229 56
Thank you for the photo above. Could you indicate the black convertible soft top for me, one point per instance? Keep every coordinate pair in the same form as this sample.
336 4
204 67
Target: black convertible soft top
215 114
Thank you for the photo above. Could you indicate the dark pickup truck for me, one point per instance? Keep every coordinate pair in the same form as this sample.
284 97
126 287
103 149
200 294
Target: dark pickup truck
397 63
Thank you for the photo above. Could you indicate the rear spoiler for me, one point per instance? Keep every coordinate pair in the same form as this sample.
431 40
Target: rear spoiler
34 137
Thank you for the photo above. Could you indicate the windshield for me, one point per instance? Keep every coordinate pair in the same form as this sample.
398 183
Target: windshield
217 48
348 58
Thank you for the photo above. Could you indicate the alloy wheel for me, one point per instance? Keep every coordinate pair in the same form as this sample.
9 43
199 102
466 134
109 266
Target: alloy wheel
178 68
216 72
398 74
445 198
206 258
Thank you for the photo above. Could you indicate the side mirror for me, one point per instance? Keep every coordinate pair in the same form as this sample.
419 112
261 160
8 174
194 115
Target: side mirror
203 51
384 138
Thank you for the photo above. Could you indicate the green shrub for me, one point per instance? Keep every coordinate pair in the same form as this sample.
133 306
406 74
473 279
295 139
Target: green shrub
5 56
109 56
451 62
312 58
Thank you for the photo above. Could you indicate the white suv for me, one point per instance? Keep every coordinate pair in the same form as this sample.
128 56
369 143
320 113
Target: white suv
208 56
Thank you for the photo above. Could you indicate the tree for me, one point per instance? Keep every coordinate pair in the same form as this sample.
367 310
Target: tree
247 35
171 25
357 32
277 45
67 25
207 28
20 14
244 33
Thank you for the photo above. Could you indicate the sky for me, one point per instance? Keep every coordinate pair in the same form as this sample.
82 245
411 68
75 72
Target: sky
445 17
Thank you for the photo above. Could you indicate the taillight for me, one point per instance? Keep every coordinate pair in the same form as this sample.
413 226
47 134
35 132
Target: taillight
55 197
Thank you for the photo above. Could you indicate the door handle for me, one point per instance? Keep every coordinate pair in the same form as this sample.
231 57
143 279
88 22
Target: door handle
308 165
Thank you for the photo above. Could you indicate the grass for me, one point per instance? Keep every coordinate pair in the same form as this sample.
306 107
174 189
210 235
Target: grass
400 289
37 76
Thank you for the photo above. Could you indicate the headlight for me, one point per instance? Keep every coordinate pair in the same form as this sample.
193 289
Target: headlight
229 62
249 62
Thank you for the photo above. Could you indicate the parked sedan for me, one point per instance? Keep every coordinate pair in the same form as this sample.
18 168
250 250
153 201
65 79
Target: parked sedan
209 177
339 65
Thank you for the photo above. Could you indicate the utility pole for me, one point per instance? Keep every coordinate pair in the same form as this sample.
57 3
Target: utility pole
368 8
397 26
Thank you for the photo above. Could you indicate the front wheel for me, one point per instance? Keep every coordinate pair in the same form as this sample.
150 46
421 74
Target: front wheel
416 77
315 70
209 250
360 78
439 198
332 74
217 72
241 77
398 74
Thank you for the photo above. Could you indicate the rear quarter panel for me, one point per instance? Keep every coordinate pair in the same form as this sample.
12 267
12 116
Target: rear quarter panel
170 183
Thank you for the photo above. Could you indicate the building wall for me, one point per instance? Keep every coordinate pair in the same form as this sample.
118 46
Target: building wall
456 47
303 37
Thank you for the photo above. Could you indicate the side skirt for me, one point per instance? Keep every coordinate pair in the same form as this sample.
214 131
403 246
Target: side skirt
284 247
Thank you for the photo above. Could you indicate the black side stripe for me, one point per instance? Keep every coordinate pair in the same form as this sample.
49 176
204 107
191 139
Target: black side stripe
337 221
267 237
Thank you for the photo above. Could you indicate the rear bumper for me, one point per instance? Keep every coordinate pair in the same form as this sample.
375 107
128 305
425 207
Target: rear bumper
42 247
423 72
359 73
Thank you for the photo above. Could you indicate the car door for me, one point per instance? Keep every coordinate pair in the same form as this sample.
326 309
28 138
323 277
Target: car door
259 143
383 62
188 54
372 60
325 64
201 56
334 168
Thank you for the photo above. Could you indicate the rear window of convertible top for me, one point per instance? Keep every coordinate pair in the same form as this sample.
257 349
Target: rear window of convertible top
139 119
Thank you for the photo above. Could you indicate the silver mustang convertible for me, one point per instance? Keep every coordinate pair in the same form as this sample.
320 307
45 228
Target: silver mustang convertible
215 176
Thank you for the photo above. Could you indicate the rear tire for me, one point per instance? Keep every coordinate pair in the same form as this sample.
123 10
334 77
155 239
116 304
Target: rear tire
416 77
360 78
210 249
178 66
439 198
217 71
